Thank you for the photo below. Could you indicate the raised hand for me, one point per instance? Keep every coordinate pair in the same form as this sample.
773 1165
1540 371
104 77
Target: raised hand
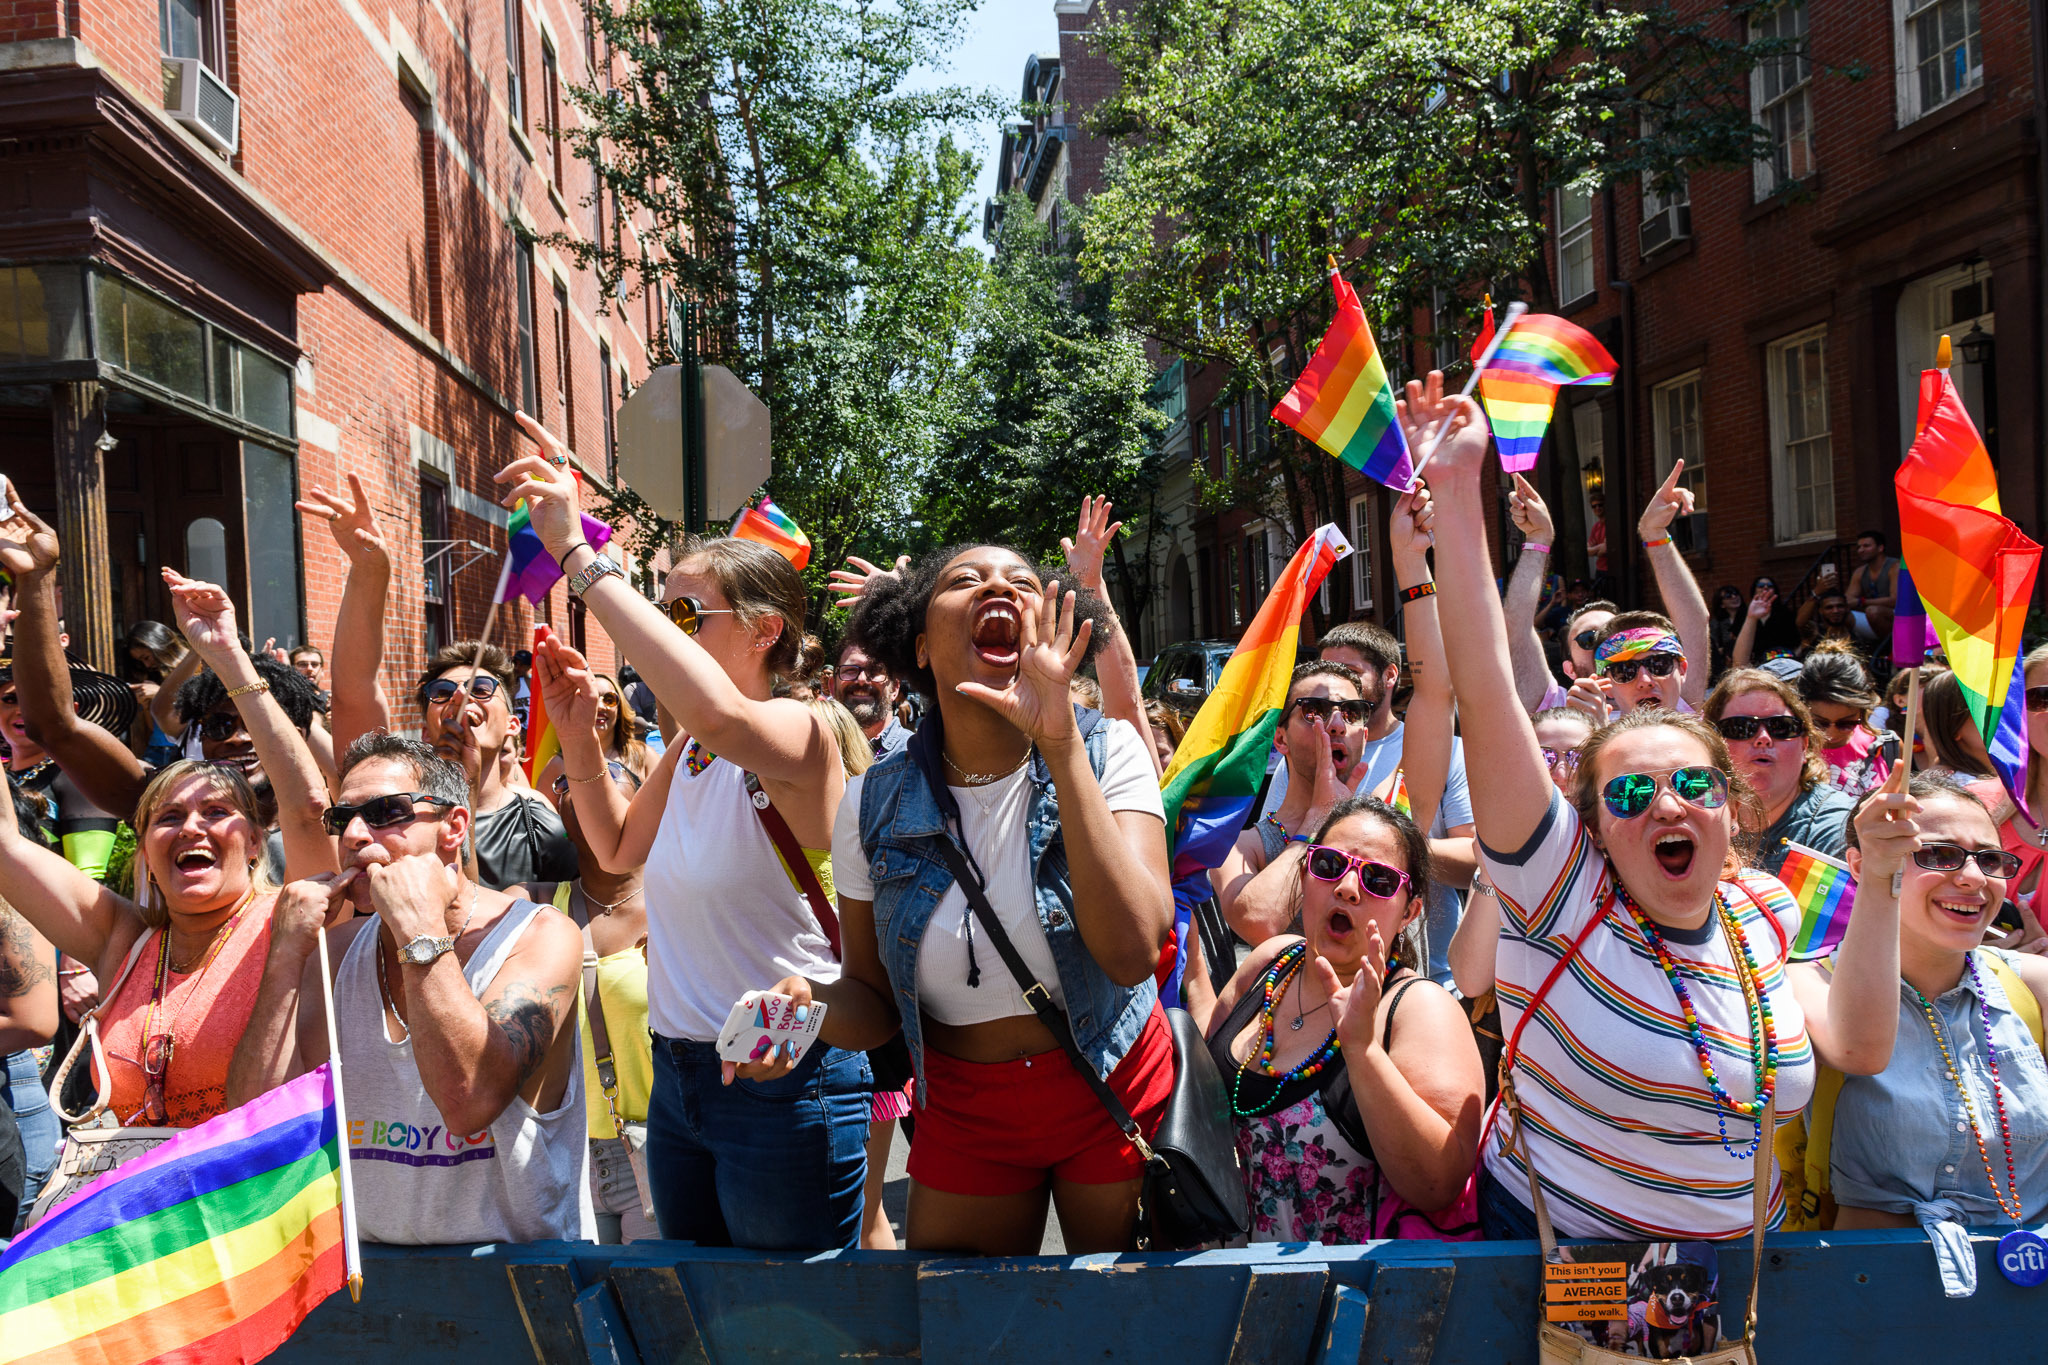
1886 831
1093 531
353 525
1329 789
412 894
1410 531
1667 504
206 616
1592 696
1036 700
304 908
1354 1008
28 546
1761 604
1426 409
554 500
850 584
1531 516
568 688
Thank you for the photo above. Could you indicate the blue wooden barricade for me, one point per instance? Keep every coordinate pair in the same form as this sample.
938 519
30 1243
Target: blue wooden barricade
1856 1298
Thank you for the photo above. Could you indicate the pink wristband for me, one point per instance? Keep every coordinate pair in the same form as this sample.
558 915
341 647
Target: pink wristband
1532 545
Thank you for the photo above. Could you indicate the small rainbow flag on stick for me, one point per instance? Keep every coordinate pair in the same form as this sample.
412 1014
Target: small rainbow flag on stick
1344 401
530 571
776 529
213 1247
1826 893
1539 355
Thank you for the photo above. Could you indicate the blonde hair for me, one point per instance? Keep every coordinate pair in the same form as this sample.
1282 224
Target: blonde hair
757 582
623 740
1585 791
854 751
227 782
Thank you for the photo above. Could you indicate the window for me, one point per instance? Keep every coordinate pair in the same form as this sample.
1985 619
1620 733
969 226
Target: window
1941 53
193 28
551 107
1361 545
1802 461
1233 584
434 544
596 54
564 387
1780 100
1675 409
276 609
1258 564
611 435
529 356
427 304
515 63
1443 323
1574 244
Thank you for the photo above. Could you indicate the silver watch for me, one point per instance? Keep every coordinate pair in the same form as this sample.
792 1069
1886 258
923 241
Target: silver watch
423 950
602 566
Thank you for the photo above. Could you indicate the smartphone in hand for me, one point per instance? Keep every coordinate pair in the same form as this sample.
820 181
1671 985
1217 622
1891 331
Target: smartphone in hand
762 1021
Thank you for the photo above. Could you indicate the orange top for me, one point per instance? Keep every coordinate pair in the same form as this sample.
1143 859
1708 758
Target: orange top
205 1011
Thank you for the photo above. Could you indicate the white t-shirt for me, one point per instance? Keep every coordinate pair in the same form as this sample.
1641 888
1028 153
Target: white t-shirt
994 821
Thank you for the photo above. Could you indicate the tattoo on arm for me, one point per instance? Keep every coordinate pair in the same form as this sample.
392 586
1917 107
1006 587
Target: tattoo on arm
22 968
525 1015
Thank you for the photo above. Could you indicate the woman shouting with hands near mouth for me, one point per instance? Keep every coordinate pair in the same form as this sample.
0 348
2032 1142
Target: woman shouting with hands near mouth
1669 1030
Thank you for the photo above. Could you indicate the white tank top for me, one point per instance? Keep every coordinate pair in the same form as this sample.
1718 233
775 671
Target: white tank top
523 1179
723 916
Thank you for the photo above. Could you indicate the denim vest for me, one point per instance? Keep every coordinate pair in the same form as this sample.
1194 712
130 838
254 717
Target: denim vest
901 820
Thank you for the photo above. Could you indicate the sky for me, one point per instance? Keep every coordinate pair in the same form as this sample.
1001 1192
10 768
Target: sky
1000 35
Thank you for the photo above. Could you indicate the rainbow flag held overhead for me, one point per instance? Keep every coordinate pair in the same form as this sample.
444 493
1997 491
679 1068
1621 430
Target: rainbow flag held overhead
211 1248
530 571
542 743
1826 894
771 526
1912 633
1972 568
1344 401
1540 354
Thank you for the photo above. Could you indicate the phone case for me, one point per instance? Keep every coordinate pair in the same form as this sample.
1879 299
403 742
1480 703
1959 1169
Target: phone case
762 1020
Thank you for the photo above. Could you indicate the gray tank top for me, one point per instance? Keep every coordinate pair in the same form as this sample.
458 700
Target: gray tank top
521 1180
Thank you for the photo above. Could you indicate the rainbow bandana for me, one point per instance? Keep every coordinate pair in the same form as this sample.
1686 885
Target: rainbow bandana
1636 643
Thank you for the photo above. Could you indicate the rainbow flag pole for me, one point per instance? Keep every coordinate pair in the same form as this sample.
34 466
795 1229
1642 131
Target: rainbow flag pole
1515 311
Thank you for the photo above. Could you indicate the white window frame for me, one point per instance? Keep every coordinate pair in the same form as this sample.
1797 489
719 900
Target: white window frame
1906 17
1572 238
1789 524
1681 438
1360 532
1794 97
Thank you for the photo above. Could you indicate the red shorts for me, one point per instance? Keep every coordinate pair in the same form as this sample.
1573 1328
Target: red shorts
996 1128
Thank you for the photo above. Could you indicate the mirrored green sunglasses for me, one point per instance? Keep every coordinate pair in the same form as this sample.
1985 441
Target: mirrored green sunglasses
1630 794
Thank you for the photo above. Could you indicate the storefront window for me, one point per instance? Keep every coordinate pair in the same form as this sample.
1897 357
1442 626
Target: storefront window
266 392
275 608
143 334
41 317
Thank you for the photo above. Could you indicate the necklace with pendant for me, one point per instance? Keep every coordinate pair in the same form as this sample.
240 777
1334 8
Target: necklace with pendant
1299 1013
982 779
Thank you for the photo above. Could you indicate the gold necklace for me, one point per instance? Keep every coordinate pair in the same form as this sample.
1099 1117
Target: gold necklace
983 779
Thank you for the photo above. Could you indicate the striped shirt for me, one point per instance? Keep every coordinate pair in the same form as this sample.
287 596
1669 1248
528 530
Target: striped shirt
1617 1115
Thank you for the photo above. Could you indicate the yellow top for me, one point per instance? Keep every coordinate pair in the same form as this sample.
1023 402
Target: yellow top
622 987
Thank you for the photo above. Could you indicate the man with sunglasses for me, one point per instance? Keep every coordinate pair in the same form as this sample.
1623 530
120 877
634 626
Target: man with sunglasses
865 688
1638 661
474 1129
466 715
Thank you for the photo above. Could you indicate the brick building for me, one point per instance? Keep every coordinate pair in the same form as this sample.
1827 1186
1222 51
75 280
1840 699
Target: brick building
247 247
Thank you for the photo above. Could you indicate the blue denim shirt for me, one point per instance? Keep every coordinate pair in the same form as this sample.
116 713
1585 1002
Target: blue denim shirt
900 824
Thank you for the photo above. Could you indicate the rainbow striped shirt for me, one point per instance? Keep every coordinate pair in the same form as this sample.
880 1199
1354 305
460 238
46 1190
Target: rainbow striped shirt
1618 1118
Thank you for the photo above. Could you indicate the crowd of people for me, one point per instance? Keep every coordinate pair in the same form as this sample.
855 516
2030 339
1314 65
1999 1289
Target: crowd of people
950 835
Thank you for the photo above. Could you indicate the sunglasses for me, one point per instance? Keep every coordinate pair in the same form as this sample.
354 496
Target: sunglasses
1992 862
381 812
1843 723
855 672
1630 794
1377 880
219 727
619 773
1319 708
1585 639
688 613
441 691
1566 759
156 1068
2037 699
1657 666
1746 727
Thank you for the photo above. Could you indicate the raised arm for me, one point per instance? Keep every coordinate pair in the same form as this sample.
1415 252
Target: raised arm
1853 1019
207 618
1745 639
1116 665
1525 586
1499 740
620 831
1683 601
1426 737
268 1052
358 704
99 762
71 910
28 984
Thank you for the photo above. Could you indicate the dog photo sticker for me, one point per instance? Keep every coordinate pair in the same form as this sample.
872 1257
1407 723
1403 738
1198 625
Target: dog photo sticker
1657 1300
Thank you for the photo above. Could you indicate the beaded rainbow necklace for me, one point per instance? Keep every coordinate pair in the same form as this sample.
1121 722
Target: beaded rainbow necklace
1763 1044
1274 982
2013 1210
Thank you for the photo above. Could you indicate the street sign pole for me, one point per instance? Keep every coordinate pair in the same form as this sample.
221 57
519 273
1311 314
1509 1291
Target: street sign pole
694 513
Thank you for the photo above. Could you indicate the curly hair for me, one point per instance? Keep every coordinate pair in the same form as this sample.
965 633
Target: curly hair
1585 789
1736 682
289 688
891 614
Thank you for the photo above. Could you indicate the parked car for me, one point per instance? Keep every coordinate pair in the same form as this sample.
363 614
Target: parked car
1182 675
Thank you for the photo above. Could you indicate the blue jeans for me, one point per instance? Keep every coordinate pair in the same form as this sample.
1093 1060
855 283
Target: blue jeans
1504 1216
769 1166
41 1133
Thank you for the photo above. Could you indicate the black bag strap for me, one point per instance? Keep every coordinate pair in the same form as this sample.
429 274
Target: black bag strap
1037 996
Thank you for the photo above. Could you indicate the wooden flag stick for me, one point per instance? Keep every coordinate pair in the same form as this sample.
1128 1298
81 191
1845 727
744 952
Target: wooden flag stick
1912 727
1514 315
351 1241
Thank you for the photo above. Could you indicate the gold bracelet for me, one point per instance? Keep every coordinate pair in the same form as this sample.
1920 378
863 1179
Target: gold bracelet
599 776
258 686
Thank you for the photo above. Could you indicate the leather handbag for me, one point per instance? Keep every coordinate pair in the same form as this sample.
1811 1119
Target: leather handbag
1194 1187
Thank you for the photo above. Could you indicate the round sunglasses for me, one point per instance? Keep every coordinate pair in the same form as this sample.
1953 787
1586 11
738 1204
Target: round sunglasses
1657 666
1992 862
688 613
441 691
1630 794
1747 727
1327 864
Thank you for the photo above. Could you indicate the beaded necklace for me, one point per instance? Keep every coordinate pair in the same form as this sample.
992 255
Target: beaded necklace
1274 983
1763 1043
2013 1210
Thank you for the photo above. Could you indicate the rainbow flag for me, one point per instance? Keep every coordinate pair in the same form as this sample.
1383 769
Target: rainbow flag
1972 568
530 571
1396 793
1826 894
775 528
1344 401
211 1248
1221 762
1540 354
542 743
1912 632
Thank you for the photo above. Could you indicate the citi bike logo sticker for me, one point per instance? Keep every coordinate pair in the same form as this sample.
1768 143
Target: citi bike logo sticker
2023 1258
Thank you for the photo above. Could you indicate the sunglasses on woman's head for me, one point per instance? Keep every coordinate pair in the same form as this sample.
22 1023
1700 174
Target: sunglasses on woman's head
441 691
1657 666
1992 862
1377 880
688 613
2037 699
381 812
1630 794
1319 708
1746 727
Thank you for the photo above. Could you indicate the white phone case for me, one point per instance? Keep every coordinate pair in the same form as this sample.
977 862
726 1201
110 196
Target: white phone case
763 1020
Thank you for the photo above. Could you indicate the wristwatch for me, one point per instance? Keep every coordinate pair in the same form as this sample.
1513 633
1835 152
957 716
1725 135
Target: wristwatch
422 951
600 567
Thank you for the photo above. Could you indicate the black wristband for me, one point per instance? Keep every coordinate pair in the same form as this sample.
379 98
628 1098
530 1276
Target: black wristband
563 562
1418 592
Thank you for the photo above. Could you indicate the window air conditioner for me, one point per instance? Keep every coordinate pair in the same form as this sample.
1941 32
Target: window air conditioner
199 99
1661 229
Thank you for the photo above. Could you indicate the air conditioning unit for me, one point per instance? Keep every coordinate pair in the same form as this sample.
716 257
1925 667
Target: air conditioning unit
202 102
1661 229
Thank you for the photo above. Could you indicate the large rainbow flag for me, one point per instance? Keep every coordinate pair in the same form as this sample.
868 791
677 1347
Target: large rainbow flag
211 1248
771 526
1344 401
1972 568
530 571
1826 894
1540 354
